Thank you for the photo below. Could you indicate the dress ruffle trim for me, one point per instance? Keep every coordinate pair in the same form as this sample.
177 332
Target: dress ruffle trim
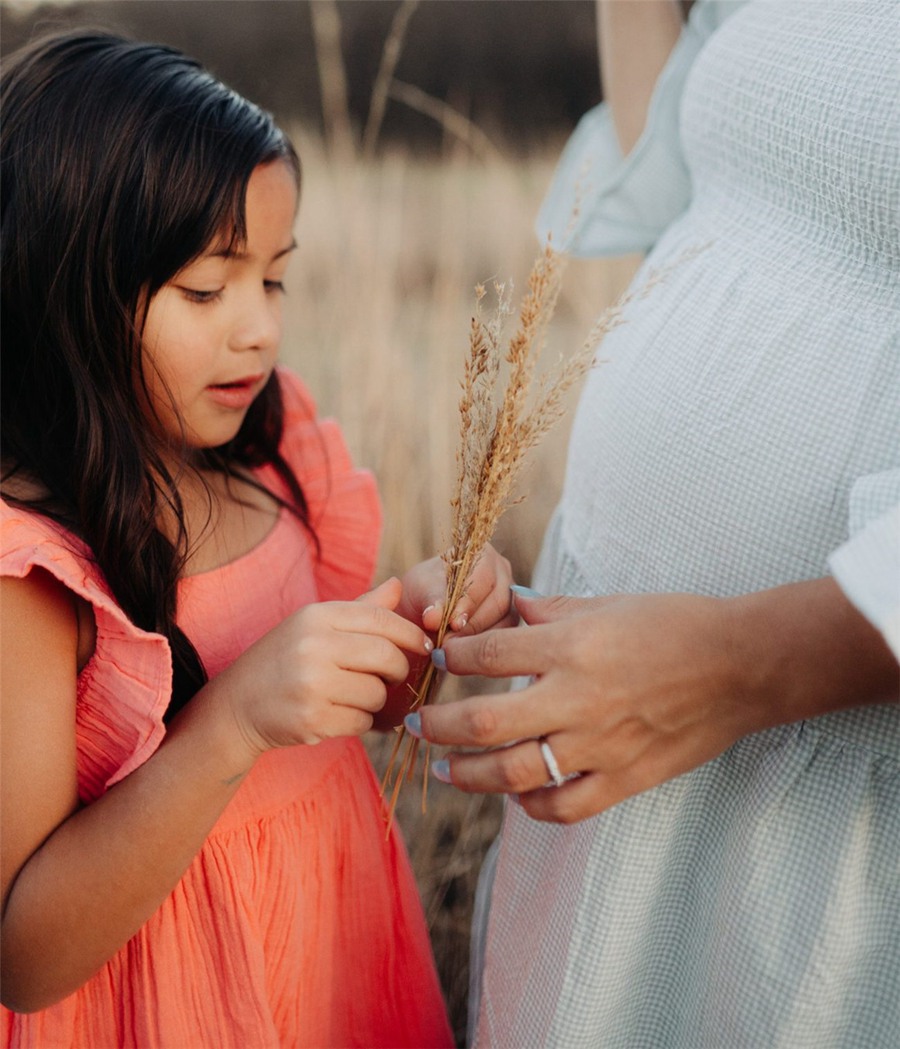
125 687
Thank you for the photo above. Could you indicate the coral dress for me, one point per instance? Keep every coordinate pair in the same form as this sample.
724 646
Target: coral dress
298 923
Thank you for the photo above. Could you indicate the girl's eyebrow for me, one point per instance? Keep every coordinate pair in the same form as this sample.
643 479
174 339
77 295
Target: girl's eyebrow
230 253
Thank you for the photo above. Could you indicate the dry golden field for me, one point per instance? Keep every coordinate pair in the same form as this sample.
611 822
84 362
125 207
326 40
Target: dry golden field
379 301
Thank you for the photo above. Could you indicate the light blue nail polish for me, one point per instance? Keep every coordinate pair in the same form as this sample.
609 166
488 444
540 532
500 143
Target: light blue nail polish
441 770
439 659
413 724
525 591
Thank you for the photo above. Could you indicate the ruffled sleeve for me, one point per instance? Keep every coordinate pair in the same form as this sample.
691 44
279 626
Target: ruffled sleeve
125 687
867 566
601 203
344 507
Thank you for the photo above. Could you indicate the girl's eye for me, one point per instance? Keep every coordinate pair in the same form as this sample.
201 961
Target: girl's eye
275 285
193 295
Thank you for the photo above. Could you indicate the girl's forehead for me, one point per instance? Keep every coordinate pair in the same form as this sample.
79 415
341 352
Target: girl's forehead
269 205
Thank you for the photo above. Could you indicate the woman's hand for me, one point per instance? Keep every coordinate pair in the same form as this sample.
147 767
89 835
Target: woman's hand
628 691
324 672
485 604
635 690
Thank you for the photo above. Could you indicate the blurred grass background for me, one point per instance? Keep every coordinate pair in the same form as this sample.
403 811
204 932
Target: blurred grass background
428 134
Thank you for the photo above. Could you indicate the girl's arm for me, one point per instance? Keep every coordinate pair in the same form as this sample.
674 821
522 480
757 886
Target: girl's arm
635 41
78 882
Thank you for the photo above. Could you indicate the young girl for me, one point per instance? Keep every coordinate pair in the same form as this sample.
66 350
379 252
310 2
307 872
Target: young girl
182 542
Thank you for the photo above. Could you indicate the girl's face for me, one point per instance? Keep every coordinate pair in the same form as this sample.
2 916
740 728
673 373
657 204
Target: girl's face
212 333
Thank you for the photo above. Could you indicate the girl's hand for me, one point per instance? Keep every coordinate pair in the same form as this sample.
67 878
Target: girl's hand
485 604
323 672
635 690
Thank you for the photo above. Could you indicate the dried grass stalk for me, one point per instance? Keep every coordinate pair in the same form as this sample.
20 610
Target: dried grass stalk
498 427
390 56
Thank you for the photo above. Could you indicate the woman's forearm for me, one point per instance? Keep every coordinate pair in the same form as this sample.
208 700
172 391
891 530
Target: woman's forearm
805 650
103 872
636 38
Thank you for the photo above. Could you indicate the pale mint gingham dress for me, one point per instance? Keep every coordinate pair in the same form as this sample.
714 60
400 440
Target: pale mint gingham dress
746 425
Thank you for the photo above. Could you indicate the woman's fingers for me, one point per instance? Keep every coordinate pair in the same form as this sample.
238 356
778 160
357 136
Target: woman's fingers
487 721
575 800
597 791
629 692
515 769
499 653
594 789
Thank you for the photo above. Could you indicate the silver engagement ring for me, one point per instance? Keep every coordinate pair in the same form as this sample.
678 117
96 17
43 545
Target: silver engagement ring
550 761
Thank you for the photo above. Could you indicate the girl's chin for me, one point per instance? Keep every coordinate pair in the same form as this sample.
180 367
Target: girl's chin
182 446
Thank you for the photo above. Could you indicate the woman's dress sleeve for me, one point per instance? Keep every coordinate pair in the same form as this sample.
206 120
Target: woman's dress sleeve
867 566
600 203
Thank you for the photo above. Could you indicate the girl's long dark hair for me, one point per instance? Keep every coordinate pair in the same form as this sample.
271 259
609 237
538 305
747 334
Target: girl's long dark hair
121 162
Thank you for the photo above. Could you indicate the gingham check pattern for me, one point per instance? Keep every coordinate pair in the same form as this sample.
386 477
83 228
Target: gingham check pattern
755 902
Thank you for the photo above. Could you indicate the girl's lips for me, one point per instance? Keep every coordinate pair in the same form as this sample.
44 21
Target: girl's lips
236 395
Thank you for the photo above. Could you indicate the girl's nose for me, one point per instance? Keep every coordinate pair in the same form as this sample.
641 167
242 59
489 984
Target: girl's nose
259 325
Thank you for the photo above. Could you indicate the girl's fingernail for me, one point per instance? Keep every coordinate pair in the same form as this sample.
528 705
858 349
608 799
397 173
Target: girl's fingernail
425 611
461 621
525 591
441 770
429 644
413 723
439 659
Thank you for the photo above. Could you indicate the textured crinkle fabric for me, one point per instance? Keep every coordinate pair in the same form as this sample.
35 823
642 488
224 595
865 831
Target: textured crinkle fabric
747 410
299 921
602 203
117 728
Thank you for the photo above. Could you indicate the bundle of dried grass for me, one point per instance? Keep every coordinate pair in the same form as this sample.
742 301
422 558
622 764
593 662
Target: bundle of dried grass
499 424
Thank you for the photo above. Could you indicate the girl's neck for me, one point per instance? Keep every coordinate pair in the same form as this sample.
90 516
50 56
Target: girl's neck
225 517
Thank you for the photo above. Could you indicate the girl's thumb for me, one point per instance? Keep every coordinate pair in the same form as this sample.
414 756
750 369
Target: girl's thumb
387 595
